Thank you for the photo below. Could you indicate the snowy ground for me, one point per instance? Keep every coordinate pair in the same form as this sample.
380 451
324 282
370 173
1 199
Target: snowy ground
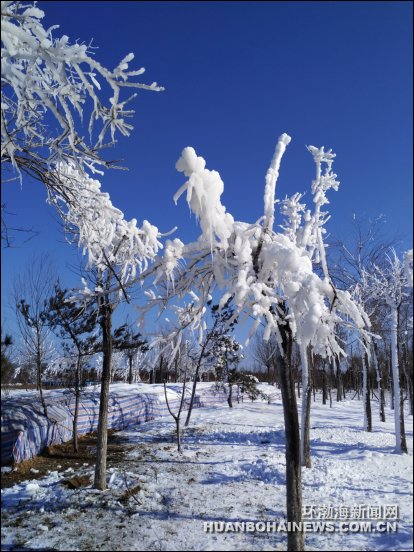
232 469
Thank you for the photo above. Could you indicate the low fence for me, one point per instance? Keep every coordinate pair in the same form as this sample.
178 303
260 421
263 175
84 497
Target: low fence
25 431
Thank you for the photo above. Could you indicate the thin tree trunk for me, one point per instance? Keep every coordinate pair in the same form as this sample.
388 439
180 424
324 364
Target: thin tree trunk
305 357
130 373
178 433
357 385
324 389
366 393
391 378
330 382
77 399
42 398
102 439
193 392
381 394
340 385
293 468
230 397
401 444
408 380
39 375
313 386
180 408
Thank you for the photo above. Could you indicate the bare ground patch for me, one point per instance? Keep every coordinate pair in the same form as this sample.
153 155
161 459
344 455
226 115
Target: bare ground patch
61 457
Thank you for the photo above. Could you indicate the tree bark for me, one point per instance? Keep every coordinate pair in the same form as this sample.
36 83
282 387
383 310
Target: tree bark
102 439
193 392
39 374
200 359
401 443
130 374
293 468
324 388
408 379
77 400
177 416
178 432
381 393
366 393
305 357
340 385
230 397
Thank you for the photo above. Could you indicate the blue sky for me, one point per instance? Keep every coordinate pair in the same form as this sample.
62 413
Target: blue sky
237 75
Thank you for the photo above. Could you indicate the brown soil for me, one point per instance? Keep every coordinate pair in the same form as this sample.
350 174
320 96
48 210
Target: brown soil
128 493
61 457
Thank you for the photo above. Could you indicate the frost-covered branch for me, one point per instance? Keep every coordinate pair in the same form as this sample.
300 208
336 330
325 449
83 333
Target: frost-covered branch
45 78
260 270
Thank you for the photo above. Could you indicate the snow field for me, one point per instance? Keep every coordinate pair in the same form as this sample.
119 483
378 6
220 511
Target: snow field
232 469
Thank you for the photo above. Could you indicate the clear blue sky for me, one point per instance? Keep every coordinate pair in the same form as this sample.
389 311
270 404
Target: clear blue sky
237 75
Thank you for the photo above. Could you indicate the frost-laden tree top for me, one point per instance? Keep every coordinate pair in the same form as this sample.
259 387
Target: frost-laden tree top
269 275
48 86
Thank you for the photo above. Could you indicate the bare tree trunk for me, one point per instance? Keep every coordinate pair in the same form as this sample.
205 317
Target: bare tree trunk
77 399
193 392
230 397
391 379
330 380
340 386
102 439
180 408
381 394
39 375
293 456
366 393
313 386
130 373
401 443
357 384
324 389
306 360
178 433
42 398
407 377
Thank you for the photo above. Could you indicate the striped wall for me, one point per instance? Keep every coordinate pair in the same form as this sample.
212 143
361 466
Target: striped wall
25 431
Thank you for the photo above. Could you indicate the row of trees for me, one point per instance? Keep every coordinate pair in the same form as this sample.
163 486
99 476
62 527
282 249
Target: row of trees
279 279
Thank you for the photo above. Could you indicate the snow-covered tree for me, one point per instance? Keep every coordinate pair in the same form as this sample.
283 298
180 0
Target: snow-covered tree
117 251
49 87
391 284
227 356
49 83
130 344
353 258
306 230
269 278
108 288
